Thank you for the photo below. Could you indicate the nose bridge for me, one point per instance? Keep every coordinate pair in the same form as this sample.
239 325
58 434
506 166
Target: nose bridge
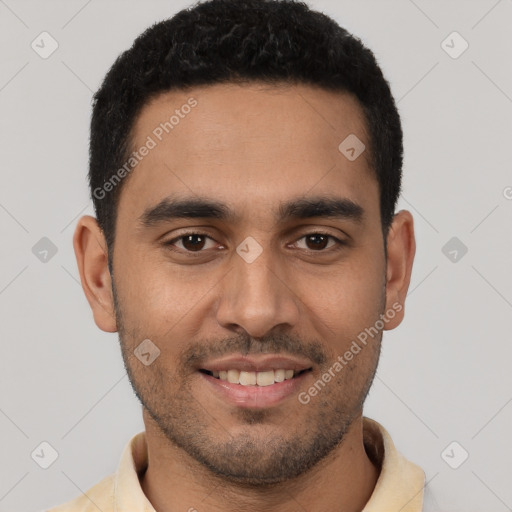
253 295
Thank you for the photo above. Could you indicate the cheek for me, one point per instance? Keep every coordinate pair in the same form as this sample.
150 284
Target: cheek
350 300
161 302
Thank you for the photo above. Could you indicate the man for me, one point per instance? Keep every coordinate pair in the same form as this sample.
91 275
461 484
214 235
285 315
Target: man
245 164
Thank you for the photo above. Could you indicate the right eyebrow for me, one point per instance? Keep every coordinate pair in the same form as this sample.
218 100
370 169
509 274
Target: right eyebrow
187 208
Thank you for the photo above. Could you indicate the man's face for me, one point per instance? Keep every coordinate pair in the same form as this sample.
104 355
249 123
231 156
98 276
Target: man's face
182 283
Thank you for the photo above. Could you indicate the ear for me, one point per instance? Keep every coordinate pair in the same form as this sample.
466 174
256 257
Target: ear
92 259
401 248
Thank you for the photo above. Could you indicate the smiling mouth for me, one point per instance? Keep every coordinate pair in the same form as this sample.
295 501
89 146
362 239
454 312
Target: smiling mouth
263 378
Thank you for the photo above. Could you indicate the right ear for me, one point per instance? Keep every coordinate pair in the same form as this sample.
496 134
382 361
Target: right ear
92 259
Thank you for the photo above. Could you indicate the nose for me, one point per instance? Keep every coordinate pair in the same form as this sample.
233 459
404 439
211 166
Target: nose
257 297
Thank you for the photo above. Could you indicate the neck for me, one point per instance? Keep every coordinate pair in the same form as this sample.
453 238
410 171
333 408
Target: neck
174 481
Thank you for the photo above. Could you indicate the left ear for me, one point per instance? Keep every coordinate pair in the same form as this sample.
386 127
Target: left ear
401 248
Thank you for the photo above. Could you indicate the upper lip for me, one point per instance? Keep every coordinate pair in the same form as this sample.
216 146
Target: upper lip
257 364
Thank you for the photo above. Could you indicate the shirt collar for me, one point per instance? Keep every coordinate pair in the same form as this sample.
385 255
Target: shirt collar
399 487
128 495
400 484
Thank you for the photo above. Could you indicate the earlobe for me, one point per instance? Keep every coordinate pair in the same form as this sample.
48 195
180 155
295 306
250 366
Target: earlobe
401 248
92 259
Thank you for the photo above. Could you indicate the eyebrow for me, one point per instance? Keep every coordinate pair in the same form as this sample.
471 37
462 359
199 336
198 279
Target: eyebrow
170 209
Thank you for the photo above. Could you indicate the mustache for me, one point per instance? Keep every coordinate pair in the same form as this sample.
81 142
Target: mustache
247 345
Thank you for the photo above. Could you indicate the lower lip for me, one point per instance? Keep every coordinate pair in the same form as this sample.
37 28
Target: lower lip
257 397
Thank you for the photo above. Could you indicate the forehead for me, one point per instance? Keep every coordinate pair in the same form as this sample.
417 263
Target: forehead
249 146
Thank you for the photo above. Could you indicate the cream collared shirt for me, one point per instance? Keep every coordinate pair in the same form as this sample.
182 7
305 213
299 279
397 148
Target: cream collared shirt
399 488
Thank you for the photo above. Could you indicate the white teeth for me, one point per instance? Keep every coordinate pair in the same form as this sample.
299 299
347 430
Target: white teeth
248 378
233 376
279 375
266 378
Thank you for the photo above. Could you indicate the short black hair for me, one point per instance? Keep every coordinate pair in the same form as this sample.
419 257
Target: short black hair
239 41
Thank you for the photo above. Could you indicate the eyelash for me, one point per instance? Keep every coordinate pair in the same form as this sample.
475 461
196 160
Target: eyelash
170 243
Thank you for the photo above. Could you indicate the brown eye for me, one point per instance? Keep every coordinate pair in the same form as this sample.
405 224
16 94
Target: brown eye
316 241
319 241
191 242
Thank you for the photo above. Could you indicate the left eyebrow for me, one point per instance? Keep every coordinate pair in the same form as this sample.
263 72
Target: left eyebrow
328 207
199 207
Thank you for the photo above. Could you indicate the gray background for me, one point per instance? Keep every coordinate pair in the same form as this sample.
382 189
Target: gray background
445 373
